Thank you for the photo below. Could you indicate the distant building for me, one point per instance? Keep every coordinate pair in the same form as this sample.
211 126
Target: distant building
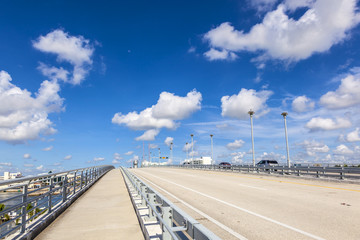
9 175
198 161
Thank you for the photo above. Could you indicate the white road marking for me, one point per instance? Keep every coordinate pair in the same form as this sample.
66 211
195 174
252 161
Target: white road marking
242 209
251 187
229 230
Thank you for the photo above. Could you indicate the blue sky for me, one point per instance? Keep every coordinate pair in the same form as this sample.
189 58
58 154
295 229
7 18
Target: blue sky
86 82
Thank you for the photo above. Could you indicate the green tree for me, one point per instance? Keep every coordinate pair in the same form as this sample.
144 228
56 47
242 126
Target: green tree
2 207
28 208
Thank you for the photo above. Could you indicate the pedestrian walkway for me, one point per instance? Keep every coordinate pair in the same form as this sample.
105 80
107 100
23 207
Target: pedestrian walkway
103 212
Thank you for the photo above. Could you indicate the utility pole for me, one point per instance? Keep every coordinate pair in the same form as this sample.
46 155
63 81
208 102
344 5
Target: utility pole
212 155
251 113
192 148
171 152
159 156
284 114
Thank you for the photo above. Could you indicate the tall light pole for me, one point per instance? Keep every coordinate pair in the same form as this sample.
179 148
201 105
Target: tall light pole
251 113
192 148
159 156
212 156
171 152
187 152
284 114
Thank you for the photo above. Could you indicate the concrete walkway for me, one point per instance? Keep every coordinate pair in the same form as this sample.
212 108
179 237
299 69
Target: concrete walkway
103 212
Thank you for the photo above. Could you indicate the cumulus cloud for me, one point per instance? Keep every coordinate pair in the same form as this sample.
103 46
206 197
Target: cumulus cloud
168 141
214 54
148 135
302 104
117 156
7 164
24 117
187 147
53 73
237 106
347 95
41 167
235 145
237 157
68 157
27 156
163 114
152 146
128 153
324 24
353 136
313 147
135 158
74 50
98 159
28 165
271 156
343 150
48 148
325 124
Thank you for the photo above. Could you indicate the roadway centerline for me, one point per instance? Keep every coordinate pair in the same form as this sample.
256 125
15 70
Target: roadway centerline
219 224
241 209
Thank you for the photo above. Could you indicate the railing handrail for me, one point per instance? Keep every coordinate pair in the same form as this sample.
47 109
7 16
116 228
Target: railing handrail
24 179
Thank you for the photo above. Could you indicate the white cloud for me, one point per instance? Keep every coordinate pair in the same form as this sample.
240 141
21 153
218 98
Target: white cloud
271 156
41 167
353 136
325 124
343 150
75 50
324 24
23 117
27 156
7 164
168 141
53 73
28 165
152 146
68 157
313 147
262 5
237 106
115 161
48 148
162 115
128 153
214 54
347 95
237 157
302 104
133 159
235 145
187 147
148 135
99 159
117 156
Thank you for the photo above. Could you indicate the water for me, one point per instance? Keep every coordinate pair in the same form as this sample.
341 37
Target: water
43 202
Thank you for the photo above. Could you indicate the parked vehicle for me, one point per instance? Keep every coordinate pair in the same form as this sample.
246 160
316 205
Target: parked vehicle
225 165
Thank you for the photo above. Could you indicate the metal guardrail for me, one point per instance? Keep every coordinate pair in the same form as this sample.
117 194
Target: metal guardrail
349 173
175 223
34 198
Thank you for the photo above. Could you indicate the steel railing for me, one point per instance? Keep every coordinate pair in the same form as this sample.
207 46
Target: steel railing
175 223
349 173
31 199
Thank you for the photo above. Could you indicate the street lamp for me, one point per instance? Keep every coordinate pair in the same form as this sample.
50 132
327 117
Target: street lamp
284 114
187 152
171 151
192 148
212 156
251 113
159 156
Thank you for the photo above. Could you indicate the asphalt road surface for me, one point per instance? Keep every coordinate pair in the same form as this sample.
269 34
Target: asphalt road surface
244 206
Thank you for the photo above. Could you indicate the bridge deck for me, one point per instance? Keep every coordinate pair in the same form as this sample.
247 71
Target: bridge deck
103 212
242 206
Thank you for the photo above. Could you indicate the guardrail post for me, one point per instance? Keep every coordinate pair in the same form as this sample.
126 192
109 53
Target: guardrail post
50 193
317 174
144 190
167 217
23 209
342 173
152 201
64 191
74 183
81 179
